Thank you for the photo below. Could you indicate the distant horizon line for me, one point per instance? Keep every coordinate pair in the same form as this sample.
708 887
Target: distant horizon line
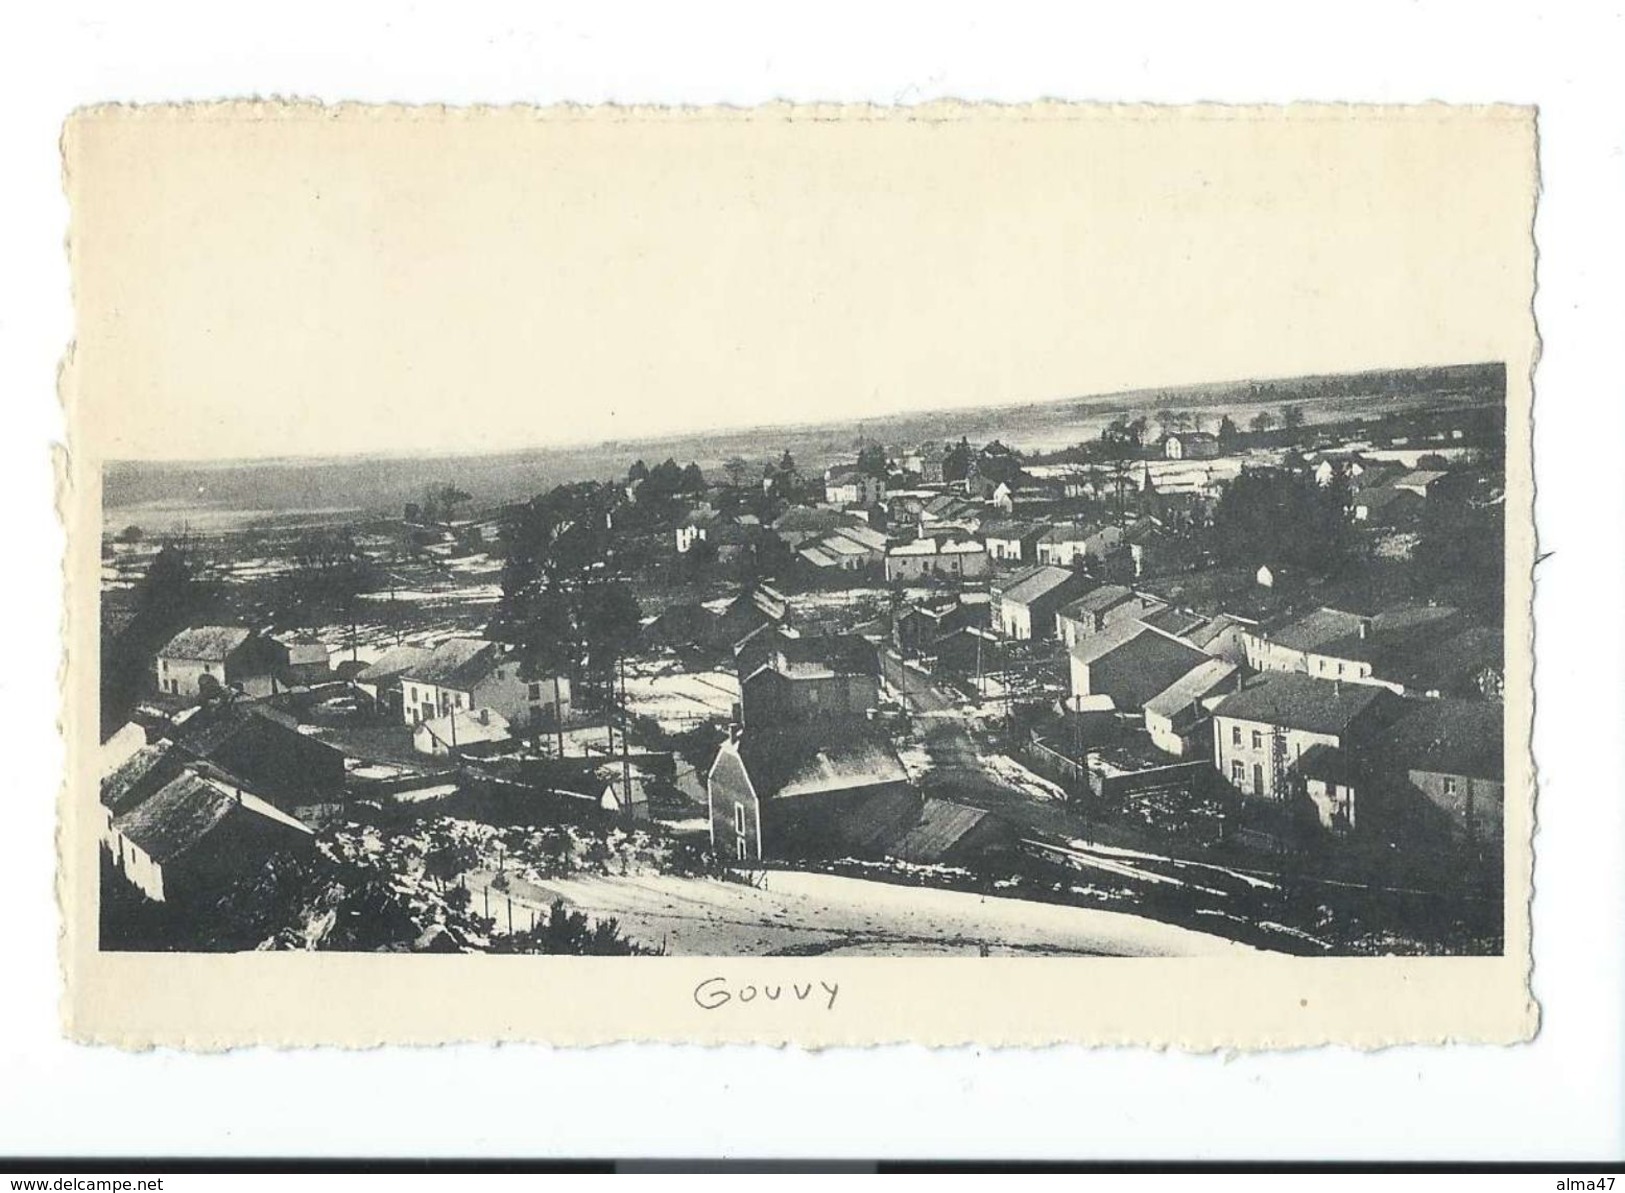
1189 388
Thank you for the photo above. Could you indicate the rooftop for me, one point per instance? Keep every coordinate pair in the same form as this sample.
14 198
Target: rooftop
1032 583
1107 596
186 811
790 762
211 642
1199 682
393 663
1453 737
455 661
1295 701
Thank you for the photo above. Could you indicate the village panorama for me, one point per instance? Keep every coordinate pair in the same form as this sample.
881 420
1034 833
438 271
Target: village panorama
1192 671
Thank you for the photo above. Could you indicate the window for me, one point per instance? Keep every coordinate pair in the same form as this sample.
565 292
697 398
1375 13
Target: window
1235 737
535 691
1237 771
1258 740
739 819
739 848
1258 778
1449 785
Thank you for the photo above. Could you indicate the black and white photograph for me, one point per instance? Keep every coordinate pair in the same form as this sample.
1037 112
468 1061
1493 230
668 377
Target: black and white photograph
808 618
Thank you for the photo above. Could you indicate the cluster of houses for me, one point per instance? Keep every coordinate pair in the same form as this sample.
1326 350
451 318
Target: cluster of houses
1386 720
1381 720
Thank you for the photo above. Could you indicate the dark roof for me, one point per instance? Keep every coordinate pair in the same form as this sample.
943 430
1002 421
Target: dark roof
186 811
1107 596
1178 622
1032 583
941 828
1451 737
806 518
1330 765
1296 701
1392 635
454 662
1453 662
1380 496
393 663
839 654
811 759
211 642
205 735
142 774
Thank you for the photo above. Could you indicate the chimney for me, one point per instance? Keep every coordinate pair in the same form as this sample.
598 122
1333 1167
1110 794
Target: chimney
1365 627
733 732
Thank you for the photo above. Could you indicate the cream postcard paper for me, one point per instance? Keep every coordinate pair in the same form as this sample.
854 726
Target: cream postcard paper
825 576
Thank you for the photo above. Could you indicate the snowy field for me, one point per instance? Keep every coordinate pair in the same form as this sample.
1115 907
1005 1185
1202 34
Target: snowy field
808 914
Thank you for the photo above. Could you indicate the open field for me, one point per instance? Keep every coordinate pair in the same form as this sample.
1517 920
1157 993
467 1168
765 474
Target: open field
800 913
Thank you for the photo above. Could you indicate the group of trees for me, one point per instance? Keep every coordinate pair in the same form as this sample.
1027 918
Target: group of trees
176 590
563 606
328 573
1280 517
666 479
441 502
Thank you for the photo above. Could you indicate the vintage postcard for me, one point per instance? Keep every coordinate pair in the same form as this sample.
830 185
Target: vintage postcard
816 576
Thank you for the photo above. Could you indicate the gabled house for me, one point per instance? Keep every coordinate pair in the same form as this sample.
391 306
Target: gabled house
307 663
464 674
918 625
197 834
785 680
847 486
1073 544
380 680
1420 482
695 527
806 791
802 524
137 779
266 751
1260 732
1100 609
1334 644
1178 718
1013 542
1451 752
1025 602
1130 663
210 659
1191 445
936 558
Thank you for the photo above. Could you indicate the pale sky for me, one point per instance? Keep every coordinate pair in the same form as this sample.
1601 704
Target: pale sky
315 283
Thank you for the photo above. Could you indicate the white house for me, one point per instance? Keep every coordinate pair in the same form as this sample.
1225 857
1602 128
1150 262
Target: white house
209 658
1071 544
463 674
851 487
